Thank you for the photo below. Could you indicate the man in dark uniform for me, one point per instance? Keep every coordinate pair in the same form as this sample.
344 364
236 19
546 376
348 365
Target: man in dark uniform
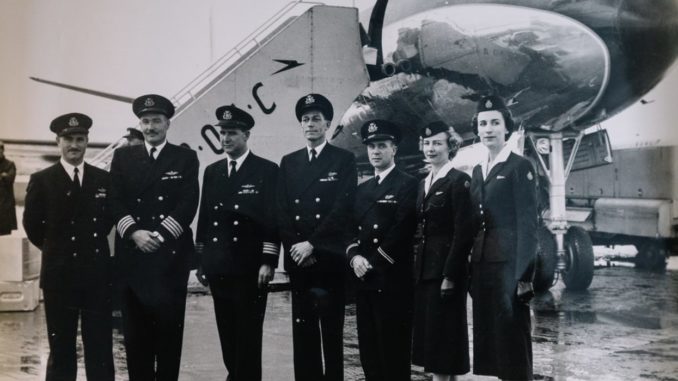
316 188
7 202
154 198
381 258
238 242
67 217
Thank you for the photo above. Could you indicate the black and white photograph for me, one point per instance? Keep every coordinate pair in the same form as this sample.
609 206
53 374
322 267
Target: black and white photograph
359 190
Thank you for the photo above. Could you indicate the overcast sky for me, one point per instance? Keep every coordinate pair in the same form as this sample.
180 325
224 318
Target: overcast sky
131 47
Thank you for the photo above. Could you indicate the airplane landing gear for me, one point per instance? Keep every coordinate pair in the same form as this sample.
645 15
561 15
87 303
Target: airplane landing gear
547 259
572 244
578 273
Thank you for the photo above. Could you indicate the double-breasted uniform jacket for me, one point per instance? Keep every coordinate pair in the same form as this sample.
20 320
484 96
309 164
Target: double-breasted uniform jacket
314 204
384 215
7 202
70 227
506 215
444 216
236 223
162 196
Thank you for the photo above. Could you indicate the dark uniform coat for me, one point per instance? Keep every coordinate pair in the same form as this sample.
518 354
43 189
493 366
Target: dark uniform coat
7 202
71 226
440 329
384 216
162 196
237 228
504 247
314 204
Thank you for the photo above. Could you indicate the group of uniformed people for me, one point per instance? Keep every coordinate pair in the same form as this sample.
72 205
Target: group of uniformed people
404 244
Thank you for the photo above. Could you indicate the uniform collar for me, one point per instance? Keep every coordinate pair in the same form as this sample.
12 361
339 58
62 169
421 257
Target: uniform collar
441 173
69 169
158 148
503 155
240 160
317 149
383 174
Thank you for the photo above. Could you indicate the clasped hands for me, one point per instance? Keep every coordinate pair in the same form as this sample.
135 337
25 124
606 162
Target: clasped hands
302 254
146 241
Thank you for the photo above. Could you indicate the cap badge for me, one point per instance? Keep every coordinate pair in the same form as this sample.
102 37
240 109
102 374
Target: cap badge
227 115
488 104
149 102
428 131
309 99
372 128
73 122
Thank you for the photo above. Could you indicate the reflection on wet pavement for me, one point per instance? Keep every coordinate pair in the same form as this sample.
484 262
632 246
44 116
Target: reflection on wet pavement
625 327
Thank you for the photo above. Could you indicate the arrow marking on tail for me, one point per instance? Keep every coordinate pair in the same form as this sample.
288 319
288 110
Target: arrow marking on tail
289 64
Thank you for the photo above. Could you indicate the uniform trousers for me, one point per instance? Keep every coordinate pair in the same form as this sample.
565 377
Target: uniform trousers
240 307
384 320
63 308
153 335
318 303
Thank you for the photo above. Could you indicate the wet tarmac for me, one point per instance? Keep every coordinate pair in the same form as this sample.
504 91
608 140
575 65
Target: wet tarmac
625 327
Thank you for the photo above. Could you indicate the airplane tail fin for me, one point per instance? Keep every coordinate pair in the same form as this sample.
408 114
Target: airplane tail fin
288 57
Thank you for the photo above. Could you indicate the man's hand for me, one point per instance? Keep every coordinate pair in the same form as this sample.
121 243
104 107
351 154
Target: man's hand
265 276
361 266
524 292
145 241
199 248
300 251
202 278
446 288
310 261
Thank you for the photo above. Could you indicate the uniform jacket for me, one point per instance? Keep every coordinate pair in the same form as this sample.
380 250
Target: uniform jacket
445 222
162 196
7 202
70 227
237 222
384 220
506 215
314 204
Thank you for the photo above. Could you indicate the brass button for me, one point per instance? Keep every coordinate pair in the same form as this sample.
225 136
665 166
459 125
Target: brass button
215 239
296 218
216 223
235 222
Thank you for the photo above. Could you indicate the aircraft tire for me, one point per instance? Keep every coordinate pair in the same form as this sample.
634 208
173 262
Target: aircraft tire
652 256
579 252
547 259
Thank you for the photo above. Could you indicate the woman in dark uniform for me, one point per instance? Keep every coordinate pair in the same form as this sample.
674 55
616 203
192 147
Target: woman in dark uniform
443 210
505 214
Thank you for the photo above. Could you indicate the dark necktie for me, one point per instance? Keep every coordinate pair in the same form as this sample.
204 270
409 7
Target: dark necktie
376 180
152 155
231 172
314 155
76 179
